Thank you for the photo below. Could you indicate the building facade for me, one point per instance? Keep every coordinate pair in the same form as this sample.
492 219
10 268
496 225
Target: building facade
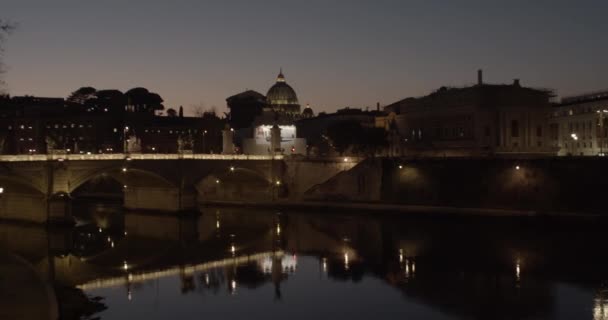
34 125
479 120
578 125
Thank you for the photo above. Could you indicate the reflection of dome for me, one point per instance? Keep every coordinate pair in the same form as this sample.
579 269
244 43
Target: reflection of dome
308 113
281 96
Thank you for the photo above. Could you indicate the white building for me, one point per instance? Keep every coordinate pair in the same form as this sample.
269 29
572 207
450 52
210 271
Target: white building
578 125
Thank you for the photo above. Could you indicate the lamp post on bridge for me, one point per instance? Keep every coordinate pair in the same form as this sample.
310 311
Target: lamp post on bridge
204 136
124 139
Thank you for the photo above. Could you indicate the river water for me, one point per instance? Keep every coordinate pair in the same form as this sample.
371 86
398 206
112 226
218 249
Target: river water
239 263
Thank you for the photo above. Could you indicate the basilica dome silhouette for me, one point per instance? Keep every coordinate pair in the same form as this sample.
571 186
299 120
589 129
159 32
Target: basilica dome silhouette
282 97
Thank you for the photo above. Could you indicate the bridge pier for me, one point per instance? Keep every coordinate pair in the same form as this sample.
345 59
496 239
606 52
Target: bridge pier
59 209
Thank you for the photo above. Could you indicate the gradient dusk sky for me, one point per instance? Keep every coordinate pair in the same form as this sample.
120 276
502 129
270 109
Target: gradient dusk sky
334 53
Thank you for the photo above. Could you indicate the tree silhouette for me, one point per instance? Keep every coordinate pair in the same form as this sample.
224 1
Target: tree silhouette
82 95
142 100
171 112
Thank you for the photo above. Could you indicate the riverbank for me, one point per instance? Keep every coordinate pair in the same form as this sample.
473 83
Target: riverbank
384 208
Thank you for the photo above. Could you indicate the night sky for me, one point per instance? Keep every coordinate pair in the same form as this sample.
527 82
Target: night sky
334 53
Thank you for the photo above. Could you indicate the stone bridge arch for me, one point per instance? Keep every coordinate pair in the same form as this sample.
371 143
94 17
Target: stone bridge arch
20 200
234 184
127 176
24 175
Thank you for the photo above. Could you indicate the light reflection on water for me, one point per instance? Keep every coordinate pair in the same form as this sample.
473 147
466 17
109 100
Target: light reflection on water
243 264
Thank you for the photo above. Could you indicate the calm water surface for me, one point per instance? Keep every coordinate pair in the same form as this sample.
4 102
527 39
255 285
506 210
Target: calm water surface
252 264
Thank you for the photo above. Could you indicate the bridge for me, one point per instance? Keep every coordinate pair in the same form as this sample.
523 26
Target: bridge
39 188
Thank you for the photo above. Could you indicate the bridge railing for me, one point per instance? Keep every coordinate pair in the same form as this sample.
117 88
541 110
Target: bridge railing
133 156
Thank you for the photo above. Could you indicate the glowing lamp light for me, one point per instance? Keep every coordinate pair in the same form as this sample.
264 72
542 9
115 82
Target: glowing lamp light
517 167
278 183
232 249
125 266
574 136
232 169
346 261
400 166
1 190
124 169
217 181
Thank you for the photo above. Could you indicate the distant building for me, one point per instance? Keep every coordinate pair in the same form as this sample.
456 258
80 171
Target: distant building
244 107
314 127
484 119
579 125
34 125
253 116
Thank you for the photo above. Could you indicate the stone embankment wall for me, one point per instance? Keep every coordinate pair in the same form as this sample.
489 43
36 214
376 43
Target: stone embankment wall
542 185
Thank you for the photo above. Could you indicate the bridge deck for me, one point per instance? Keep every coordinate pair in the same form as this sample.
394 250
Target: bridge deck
134 156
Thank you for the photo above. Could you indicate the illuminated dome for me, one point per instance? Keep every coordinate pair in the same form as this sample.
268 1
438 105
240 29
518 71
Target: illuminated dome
282 97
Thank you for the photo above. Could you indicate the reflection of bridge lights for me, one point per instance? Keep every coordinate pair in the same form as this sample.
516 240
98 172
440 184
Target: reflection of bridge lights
112 244
232 249
518 269
600 309
206 279
99 230
267 265
324 264
346 262
125 232
233 286
217 224
278 229
129 295
400 255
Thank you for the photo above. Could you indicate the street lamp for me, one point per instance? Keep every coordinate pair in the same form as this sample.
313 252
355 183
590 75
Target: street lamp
124 138
204 135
